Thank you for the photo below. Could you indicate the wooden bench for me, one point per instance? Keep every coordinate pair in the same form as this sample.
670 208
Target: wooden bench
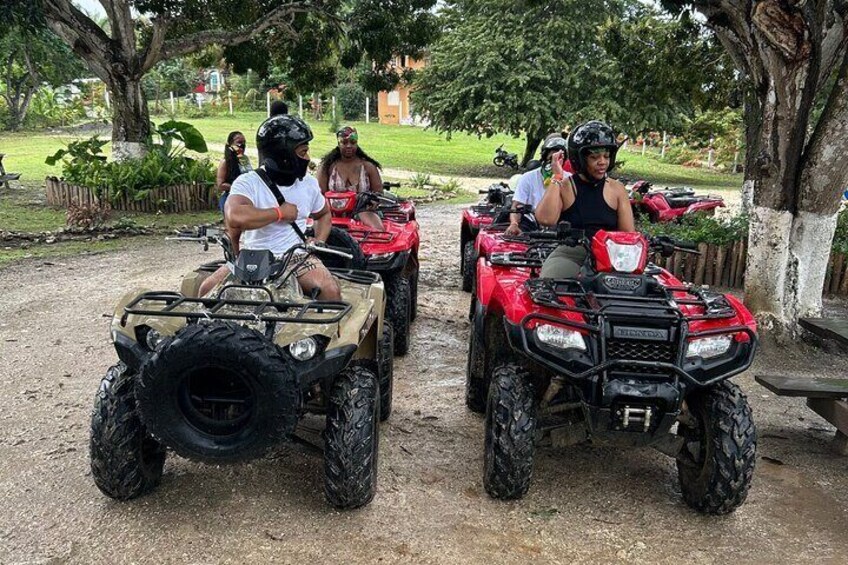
826 397
4 176
831 329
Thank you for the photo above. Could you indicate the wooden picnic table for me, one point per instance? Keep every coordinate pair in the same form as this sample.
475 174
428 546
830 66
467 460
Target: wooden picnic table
825 396
832 329
4 176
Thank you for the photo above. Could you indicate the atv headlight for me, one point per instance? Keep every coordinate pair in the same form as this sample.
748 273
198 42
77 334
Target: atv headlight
709 347
624 258
152 338
304 349
560 337
381 256
338 203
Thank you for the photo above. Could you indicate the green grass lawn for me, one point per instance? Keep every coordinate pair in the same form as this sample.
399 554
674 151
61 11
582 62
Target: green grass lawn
396 147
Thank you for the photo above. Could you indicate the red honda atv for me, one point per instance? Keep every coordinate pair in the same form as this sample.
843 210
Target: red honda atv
624 354
672 203
391 252
492 238
498 198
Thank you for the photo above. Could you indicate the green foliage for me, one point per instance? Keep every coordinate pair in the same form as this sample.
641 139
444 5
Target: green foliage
162 165
420 181
451 186
700 228
175 75
173 130
350 101
496 67
840 238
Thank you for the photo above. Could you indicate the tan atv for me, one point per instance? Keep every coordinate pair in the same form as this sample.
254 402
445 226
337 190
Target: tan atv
224 377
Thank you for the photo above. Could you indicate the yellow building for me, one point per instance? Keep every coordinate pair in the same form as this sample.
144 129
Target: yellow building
393 106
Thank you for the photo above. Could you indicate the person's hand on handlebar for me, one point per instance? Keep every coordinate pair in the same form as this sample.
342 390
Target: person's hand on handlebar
512 229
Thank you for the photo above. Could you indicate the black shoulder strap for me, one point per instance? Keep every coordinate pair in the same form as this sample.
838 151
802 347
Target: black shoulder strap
272 186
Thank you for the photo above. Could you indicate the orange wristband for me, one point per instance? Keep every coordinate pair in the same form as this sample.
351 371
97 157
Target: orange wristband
279 214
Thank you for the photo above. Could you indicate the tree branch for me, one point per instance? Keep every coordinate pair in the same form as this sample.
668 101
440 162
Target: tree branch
153 52
83 36
122 25
191 43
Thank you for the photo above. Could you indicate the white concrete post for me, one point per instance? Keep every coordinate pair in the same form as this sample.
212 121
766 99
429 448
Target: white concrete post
106 98
710 155
662 152
199 101
644 145
230 100
367 110
173 109
300 105
268 104
334 107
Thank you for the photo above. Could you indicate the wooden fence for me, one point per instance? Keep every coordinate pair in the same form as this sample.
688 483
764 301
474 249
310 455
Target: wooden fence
179 198
724 265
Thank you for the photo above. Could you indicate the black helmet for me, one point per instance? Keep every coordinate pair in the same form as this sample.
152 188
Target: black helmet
276 140
553 143
591 135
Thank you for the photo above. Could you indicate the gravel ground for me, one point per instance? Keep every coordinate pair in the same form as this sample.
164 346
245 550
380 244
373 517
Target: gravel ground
587 503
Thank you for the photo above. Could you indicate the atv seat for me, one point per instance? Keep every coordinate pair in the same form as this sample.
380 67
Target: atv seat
676 201
826 397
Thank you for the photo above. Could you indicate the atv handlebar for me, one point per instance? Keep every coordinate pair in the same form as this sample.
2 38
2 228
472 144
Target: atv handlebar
318 248
387 185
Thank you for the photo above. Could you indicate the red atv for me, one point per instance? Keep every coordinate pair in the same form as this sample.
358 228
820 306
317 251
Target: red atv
491 238
672 203
391 252
498 198
623 354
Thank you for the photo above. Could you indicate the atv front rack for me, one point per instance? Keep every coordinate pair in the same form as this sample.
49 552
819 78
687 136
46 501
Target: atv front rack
175 305
602 311
549 292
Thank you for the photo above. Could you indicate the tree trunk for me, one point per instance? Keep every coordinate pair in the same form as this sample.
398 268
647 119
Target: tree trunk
787 50
533 141
130 118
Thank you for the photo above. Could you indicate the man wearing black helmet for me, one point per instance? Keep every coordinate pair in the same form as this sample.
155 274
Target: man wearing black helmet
589 199
267 208
531 185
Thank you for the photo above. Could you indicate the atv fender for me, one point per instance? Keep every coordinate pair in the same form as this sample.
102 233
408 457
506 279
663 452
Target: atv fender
485 282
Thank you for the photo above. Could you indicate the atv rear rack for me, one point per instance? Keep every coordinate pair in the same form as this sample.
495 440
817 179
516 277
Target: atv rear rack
175 305
371 236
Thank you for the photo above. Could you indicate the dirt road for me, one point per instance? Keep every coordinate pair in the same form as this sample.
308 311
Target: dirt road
586 503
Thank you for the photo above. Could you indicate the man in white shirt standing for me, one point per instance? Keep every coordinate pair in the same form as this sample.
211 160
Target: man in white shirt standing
258 218
531 185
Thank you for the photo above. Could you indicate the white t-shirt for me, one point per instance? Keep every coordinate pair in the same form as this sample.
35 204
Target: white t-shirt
279 237
531 187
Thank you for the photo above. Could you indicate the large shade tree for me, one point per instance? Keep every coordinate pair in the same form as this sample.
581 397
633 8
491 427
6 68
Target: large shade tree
794 55
530 67
142 33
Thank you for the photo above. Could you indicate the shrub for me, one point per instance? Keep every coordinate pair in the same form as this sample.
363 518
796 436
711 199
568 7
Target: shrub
701 228
164 164
840 238
350 101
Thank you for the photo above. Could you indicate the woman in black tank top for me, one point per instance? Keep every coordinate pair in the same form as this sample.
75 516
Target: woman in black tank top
589 200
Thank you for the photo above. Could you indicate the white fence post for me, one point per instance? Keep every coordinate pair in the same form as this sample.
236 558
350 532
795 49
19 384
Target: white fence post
173 109
300 105
334 107
662 151
106 98
199 101
710 155
230 100
644 144
268 104
367 110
